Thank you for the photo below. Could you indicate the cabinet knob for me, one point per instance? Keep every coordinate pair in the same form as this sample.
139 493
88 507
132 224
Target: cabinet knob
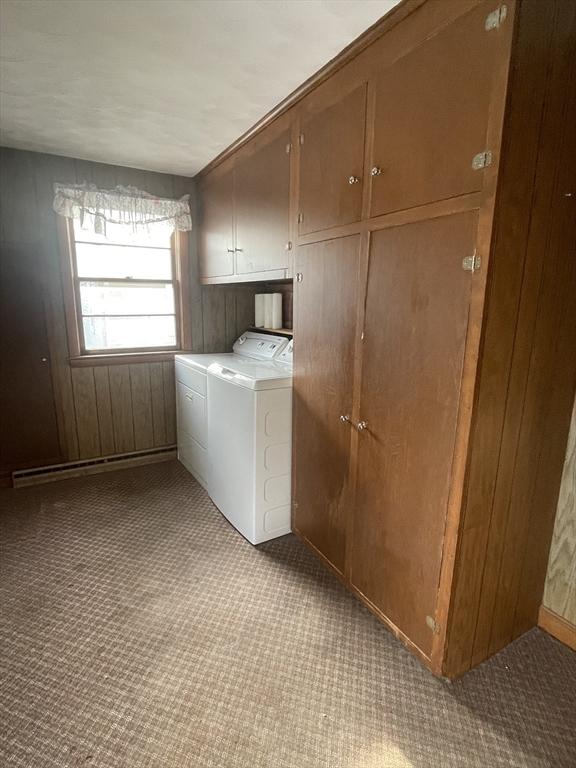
376 171
230 250
239 250
353 180
344 419
361 426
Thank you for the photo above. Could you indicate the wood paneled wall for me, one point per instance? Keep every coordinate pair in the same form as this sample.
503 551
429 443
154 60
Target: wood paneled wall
527 376
100 410
560 589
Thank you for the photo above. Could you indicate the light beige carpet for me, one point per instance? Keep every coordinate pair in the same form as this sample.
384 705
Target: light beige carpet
138 629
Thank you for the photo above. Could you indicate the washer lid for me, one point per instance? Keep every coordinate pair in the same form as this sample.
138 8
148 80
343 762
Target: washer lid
252 374
202 361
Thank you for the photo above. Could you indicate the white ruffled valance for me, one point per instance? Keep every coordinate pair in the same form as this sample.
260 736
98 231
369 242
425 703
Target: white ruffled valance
121 205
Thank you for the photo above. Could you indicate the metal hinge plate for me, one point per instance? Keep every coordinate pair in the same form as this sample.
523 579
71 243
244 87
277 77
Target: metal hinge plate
472 263
433 624
496 18
481 160
299 277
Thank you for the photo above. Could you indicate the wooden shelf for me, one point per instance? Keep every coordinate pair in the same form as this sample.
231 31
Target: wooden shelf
277 331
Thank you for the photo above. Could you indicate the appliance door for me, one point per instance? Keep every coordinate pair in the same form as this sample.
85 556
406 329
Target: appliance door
231 434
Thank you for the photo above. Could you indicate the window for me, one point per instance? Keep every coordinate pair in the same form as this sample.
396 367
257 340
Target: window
124 289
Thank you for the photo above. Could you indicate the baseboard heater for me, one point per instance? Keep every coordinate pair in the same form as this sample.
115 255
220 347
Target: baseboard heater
56 472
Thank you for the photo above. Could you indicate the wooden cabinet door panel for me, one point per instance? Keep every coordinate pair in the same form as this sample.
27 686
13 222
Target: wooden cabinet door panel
262 208
431 117
333 151
413 349
216 225
324 329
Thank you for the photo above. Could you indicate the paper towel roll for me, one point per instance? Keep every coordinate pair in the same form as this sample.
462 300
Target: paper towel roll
276 311
267 310
259 314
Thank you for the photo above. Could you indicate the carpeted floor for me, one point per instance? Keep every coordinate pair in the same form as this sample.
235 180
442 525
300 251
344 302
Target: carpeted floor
138 629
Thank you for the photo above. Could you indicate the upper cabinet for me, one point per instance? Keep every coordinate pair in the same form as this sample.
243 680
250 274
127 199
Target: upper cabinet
244 214
262 204
331 162
431 117
217 224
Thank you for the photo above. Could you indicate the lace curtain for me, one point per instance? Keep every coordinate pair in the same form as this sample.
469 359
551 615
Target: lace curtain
94 207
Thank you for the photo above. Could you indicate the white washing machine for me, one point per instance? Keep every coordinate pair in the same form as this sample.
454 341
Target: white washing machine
235 430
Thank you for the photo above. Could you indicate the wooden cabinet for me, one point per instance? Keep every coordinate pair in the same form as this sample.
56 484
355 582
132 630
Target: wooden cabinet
431 114
217 224
331 163
325 327
417 306
262 204
244 214
435 340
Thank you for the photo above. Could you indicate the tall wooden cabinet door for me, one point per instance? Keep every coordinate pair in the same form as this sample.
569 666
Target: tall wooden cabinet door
414 337
28 425
324 333
331 164
216 224
431 116
262 208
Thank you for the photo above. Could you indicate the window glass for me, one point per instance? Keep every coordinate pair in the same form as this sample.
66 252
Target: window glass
102 298
123 261
102 333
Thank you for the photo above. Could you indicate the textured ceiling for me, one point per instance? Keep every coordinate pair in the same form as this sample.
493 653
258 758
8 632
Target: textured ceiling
163 85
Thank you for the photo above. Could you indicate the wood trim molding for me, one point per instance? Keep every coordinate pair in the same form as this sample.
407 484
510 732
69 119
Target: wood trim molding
557 626
383 25
66 246
125 358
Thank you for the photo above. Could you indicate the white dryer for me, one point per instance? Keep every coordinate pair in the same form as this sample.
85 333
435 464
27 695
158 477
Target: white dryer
235 431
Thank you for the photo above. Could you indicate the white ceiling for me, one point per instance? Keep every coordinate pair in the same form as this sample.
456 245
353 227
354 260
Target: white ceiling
163 85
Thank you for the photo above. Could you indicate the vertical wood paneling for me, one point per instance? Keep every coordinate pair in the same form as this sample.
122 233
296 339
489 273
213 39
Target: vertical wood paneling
104 406
214 318
244 309
48 169
86 412
230 318
157 402
169 401
121 399
141 406
560 589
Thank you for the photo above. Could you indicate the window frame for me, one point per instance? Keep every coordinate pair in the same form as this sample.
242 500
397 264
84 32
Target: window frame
78 354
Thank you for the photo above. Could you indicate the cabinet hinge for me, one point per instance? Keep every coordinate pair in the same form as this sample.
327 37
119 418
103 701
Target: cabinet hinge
482 160
299 277
300 218
472 263
288 148
433 624
301 139
496 18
